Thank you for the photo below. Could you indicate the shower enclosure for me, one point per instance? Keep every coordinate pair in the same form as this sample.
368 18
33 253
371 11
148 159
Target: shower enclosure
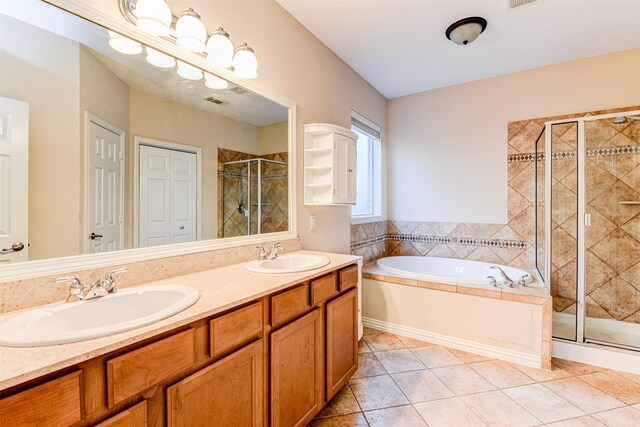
592 228
255 197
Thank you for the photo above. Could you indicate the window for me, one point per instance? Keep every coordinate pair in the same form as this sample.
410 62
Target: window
369 166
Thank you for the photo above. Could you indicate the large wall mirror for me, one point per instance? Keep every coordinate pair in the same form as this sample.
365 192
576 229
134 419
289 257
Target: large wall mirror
127 151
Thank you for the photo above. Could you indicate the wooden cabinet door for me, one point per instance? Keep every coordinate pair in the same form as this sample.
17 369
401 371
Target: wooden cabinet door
342 341
227 393
296 371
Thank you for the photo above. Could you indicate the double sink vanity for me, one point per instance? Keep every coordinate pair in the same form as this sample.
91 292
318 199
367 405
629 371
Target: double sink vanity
253 349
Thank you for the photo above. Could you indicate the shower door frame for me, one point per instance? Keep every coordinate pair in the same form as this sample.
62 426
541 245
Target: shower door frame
259 161
581 294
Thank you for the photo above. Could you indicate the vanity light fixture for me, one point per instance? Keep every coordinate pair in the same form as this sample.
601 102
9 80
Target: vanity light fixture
220 49
466 30
245 63
159 59
214 82
153 16
189 72
189 32
124 44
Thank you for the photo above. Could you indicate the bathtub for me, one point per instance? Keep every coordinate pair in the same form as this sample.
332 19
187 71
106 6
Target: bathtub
450 270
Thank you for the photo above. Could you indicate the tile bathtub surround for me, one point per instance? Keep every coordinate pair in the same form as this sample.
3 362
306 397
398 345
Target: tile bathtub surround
464 391
27 293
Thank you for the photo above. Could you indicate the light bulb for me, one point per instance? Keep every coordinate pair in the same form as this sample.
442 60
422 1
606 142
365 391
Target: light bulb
154 16
190 31
214 82
159 59
220 49
189 72
245 63
123 44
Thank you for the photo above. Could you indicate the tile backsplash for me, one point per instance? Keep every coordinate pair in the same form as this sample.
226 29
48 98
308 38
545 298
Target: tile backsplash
27 293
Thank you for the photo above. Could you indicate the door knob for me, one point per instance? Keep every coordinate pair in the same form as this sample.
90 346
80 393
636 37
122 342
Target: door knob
95 236
16 247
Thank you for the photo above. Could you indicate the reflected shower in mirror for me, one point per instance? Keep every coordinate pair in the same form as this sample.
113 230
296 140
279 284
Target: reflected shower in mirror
130 149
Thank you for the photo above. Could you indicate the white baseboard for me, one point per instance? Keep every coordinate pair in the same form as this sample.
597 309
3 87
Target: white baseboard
520 358
592 354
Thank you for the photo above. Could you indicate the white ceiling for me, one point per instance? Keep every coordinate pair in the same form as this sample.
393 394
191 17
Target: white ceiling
399 46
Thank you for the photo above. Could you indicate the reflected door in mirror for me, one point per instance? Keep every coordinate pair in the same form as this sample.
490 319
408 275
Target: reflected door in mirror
167 194
14 170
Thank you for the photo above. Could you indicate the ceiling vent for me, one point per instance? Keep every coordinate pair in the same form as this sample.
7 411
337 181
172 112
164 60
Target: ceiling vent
238 90
518 3
216 101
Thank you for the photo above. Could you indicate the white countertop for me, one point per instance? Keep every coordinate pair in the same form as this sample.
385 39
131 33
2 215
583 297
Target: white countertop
220 289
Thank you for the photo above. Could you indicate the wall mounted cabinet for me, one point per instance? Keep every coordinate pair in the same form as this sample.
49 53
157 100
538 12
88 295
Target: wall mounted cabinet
329 165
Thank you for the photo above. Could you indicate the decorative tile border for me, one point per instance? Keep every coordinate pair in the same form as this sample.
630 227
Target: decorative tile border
565 155
526 157
467 241
418 238
493 243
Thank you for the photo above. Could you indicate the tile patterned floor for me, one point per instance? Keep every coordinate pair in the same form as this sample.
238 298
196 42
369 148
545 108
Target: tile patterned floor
404 382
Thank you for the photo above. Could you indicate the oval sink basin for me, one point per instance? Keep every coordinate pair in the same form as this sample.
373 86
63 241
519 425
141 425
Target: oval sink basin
292 263
127 309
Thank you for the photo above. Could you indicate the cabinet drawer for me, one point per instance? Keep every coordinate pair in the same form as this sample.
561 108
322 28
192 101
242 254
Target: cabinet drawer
324 288
348 278
289 305
235 328
136 416
136 371
54 403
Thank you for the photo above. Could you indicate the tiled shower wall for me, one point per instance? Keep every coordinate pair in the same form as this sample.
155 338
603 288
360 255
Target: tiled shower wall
275 199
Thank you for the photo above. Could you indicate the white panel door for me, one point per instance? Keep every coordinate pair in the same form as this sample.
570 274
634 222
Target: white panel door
167 197
105 222
14 180
184 201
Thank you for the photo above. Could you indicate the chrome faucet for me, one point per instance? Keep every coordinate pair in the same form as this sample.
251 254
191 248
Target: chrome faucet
263 254
508 283
274 251
100 288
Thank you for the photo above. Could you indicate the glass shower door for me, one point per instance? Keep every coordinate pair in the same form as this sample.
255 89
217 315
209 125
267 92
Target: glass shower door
563 211
612 231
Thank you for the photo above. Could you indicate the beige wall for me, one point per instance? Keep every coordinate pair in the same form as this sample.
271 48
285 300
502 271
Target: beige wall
454 140
42 69
104 95
274 138
295 64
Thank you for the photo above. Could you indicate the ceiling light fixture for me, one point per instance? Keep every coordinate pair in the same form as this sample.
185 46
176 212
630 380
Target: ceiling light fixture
123 44
189 32
466 30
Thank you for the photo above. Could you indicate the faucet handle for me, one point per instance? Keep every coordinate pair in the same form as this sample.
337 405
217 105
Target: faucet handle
109 282
492 281
522 281
116 271
76 290
263 254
